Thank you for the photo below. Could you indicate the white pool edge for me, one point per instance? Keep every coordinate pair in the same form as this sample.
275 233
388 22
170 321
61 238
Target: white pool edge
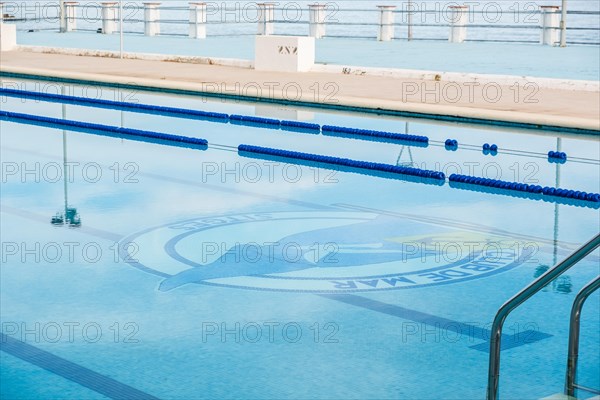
474 113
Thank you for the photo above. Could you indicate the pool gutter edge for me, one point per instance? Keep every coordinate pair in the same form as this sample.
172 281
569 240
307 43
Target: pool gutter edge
463 114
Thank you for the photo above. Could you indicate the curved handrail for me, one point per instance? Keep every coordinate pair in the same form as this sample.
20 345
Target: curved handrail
520 298
574 334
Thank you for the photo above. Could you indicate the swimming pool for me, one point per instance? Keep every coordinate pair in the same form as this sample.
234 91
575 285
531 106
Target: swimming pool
204 272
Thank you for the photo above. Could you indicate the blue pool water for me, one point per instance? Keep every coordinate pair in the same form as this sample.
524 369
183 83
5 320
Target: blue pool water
209 274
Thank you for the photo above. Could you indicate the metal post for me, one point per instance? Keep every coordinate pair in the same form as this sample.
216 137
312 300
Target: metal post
62 18
563 25
520 298
122 99
574 334
558 148
410 20
121 29
66 172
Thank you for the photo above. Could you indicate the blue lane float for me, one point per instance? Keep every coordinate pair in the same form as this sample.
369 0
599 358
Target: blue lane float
524 195
494 190
532 191
490 149
292 126
161 110
571 202
341 168
301 127
494 183
118 105
451 144
415 140
571 194
254 121
113 131
557 157
344 162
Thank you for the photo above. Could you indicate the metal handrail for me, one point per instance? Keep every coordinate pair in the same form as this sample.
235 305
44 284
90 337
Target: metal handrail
520 298
574 326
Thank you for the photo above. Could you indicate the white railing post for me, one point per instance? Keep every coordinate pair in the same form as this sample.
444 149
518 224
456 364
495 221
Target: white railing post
458 23
61 16
109 17
71 16
563 24
151 19
8 33
550 25
316 14
410 10
198 20
266 17
121 30
386 23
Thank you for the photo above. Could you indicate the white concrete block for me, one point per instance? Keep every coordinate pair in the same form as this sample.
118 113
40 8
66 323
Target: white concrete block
284 53
8 37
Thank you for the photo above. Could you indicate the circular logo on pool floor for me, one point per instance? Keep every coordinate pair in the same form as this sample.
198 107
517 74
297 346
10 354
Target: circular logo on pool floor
318 251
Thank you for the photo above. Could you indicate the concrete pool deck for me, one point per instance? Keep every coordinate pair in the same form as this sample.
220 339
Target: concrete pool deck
519 102
572 62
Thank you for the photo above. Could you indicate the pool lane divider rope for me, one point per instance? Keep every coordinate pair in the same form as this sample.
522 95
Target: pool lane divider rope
137 107
293 126
247 119
339 131
494 186
298 126
234 119
536 192
106 129
244 149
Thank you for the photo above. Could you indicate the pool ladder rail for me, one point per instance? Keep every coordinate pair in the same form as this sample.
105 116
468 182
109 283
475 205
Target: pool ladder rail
528 292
